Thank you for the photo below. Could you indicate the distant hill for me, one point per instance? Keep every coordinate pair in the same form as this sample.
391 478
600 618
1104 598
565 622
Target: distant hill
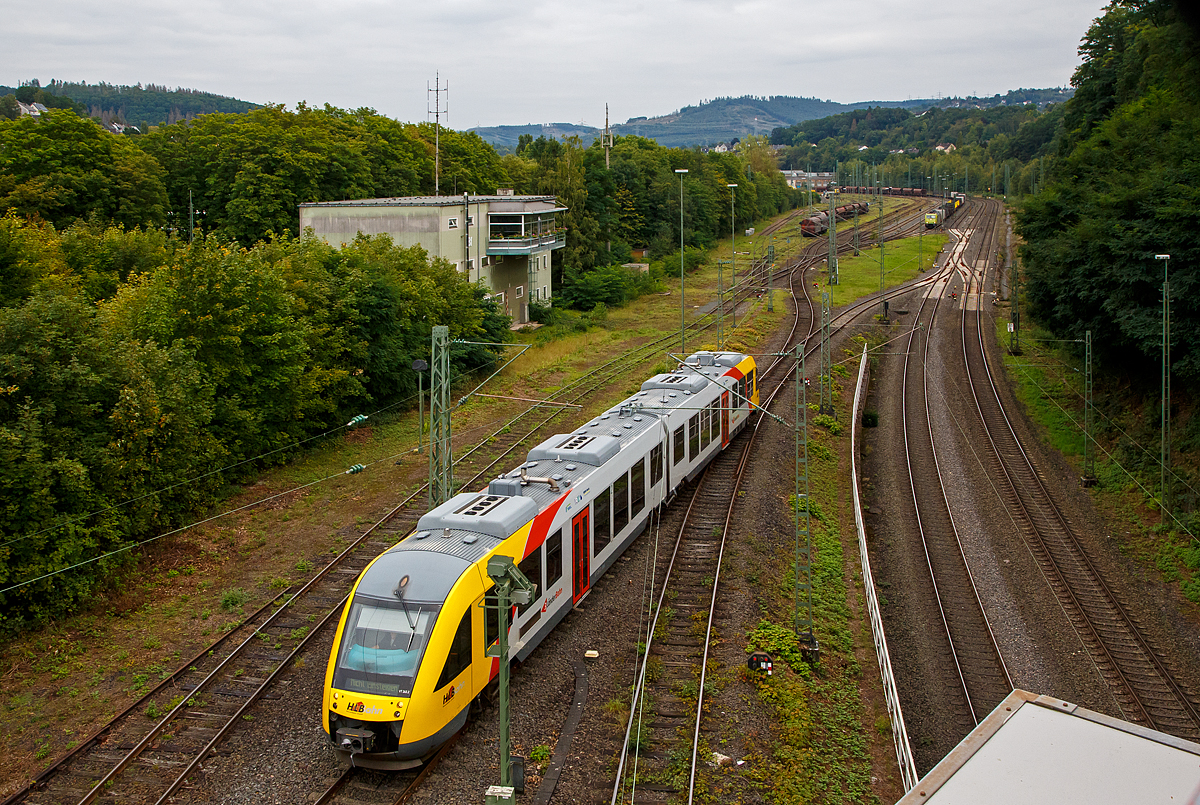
141 105
723 119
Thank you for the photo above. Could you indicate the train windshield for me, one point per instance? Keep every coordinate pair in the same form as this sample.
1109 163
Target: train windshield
382 646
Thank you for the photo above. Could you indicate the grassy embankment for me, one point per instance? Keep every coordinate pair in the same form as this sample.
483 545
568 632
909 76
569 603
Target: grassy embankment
1049 382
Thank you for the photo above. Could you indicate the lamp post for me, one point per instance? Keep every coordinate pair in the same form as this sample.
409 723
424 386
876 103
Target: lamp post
732 250
682 324
1166 389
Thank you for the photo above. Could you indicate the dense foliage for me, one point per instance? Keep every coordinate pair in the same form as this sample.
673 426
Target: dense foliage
897 147
137 371
1125 187
62 168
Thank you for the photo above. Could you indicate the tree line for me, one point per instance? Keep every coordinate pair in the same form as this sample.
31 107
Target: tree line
242 177
1123 188
162 320
1002 149
140 374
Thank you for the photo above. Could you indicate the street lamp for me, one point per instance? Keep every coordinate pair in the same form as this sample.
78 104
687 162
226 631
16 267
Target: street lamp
733 249
682 322
1165 457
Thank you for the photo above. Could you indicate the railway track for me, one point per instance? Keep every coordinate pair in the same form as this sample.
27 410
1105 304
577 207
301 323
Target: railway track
656 760
148 752
1144 687
982 678
669 694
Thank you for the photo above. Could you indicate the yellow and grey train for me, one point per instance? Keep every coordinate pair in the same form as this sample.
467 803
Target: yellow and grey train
409 653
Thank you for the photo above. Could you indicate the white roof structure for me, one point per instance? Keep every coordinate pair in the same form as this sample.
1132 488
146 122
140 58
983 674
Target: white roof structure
1039 749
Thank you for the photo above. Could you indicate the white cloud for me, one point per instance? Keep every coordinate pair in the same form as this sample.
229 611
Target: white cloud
548 60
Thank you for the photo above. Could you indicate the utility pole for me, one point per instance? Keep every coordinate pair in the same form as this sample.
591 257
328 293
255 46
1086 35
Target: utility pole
733 249
803 620
1165 457
882 300
1014 288
833 266
826 406
1089 443
441 467
437 112
721 304
512 588
419 366
771 276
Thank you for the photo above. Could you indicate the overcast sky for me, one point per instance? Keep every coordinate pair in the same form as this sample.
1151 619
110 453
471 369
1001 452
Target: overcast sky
548 61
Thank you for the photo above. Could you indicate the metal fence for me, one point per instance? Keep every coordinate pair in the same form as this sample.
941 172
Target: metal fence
904 757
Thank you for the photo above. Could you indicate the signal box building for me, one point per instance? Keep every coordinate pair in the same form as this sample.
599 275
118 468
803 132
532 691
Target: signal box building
502 241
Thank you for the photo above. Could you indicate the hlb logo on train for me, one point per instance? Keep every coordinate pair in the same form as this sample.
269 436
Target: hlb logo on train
448 695
361 707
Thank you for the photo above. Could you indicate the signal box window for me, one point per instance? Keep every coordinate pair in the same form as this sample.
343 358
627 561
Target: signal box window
554 558
678 444
601 525
620 492
459 658
637 487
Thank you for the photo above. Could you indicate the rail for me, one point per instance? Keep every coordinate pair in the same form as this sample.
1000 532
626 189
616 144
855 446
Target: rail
904 755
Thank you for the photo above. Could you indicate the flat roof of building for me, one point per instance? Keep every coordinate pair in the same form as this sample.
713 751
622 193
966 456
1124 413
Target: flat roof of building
517 202
1040 749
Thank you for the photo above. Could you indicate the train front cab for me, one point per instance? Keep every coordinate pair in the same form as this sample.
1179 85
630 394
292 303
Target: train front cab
410 650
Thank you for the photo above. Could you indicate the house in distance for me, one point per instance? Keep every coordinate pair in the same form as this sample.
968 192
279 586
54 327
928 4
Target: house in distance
502 241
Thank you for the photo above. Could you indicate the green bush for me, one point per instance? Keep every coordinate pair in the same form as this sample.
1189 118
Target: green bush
234 598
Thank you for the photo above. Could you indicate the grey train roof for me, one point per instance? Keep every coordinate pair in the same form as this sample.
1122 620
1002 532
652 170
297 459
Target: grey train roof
471 524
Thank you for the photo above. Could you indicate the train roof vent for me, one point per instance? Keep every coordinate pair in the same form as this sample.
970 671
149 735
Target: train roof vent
683 382
480 506
576 442
594 449
494 515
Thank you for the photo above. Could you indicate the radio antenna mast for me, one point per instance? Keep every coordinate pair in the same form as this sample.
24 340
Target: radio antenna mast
607 136
438 110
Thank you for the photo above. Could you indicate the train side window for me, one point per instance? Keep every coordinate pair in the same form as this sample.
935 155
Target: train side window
656 464
620 492
531 566
751 383
459 658
693 437
705 427
554 558
679 444
601 522
491 618
637 487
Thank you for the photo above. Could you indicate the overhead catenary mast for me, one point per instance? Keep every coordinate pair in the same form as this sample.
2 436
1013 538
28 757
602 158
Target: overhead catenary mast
438 110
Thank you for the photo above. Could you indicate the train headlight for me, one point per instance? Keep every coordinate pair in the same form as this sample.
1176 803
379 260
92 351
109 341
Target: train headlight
335 694
396 714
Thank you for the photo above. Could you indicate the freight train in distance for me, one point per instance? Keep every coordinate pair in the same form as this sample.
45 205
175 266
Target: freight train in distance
819 224
410 652
938 216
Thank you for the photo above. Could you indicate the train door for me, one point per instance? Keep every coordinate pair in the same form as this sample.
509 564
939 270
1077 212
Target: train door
724 419
581 551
